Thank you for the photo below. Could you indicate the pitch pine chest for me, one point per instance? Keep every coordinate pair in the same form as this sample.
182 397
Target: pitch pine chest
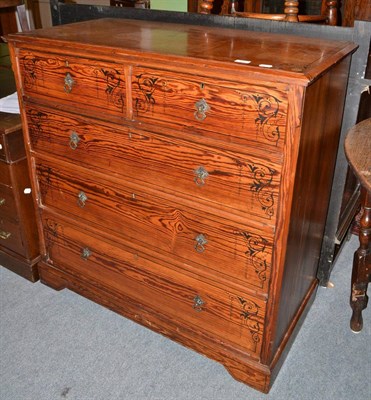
182 175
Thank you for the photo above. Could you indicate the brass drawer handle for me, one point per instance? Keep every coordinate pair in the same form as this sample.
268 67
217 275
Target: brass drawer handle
201 109
198 303
74 140
4 235
81 199
201 241
85 253
68 83
200 175
2 202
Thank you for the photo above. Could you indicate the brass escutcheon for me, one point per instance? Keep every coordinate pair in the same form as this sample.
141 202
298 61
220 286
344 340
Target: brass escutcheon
85 253
68 83
81 199
200 175
201 241
201 109
4 235
198 303
74 140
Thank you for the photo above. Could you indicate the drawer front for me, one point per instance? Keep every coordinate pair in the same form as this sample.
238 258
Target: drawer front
12 146
5 178
8 207
230 315
87 84
203 242
10 236
237 112
244 184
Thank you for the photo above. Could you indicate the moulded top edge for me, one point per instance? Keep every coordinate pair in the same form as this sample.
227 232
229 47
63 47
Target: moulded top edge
296 57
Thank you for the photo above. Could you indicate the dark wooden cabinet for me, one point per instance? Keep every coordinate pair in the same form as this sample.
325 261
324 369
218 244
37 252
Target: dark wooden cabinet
19 246
182 176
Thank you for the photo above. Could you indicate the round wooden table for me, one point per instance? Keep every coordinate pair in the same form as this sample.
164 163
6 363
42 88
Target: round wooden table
358 153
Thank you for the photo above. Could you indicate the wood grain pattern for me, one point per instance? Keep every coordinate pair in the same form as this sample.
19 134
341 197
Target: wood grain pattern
74 81
232 316
240 365
311 191
198 209
258 112
148 221
359 10
207 51
249 181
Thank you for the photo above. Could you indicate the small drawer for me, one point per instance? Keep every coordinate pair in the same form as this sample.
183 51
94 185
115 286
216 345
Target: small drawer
245 184
94 86
11 236
11 138
205 243
230 315
7 203
230 111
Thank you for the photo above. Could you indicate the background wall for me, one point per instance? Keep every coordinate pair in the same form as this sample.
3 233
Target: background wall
170 5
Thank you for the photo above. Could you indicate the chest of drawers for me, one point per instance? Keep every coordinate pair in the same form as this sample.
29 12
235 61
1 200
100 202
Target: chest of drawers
182 176
19 247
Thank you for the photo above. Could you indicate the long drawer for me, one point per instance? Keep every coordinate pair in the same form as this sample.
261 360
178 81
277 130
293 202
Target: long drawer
237 182
230 111
203 242
75 82
228 314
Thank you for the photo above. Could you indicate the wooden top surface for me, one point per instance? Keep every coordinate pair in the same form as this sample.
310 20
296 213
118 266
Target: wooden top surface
358 151
297 57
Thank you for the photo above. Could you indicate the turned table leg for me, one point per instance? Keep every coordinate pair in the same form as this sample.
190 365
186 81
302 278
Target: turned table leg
361 265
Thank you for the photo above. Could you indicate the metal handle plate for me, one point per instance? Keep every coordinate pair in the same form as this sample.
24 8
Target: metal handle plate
201 109
85 253
74 140
201 241
68 83
81 199
4 235
200 175
198 303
